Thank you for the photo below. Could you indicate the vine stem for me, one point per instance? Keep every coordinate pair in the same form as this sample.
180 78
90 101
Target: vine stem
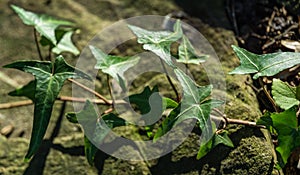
91 91
268 94
110 90
61 98
227 120
37 44
170 81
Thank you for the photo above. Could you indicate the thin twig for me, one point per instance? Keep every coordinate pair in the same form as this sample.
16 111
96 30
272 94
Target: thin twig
15 104
170 81
227 120
37 44
268 95
91 91
110 90
61 98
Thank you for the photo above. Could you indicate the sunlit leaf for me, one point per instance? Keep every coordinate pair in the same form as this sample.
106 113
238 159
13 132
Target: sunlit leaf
48 85
66 45
187 54
284 94
266 64
113 65
159 42
44 24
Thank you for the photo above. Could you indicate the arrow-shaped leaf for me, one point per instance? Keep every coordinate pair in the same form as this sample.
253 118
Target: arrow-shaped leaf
94 127
65 44
48 85
158 42
44 24
284 95
113 65
266 64
194 105
27 91
187 54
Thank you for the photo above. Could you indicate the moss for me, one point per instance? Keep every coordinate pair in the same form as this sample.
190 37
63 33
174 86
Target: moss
252 156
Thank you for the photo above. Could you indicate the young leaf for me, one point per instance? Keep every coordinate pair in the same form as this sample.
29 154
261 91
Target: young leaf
266 64
284 94
169 103
44 24
48 85
113 65
27 91
187 54
288 131
159 42
65 44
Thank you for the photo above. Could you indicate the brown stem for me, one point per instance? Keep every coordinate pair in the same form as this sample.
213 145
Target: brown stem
110 90
37 44
268 95
61 98
170 81
91 91
227 121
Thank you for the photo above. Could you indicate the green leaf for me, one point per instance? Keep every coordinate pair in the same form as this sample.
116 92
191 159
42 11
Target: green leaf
66 45
167 123
143 100
217 139
90 150
195 104
71 116
266 120
27 91
187 54
284 94
48 85
94 127
159 42
150 103
44 24
288 131
169 103
266 64
113 65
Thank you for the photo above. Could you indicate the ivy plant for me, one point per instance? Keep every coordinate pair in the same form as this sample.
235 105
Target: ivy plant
283 122
196 102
